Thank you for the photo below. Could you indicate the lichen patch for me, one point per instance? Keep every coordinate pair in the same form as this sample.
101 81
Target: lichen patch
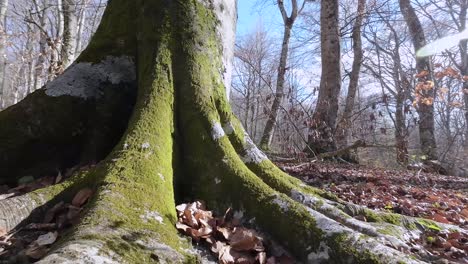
84 79
321 255
283 204
151 215
81 251
217 131
252 153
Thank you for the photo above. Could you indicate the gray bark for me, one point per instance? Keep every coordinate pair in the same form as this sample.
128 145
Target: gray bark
279 94
343 128
321 138
425 111
3 36
70 32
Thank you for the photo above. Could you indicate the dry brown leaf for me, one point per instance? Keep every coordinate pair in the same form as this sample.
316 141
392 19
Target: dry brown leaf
81 197
180 209
225 232
189 219
217 247
183 227
36 252
261 257
50 214
203 232
47 239
245 239
225 256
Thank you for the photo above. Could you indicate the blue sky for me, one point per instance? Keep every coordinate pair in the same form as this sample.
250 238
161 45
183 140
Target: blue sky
249 16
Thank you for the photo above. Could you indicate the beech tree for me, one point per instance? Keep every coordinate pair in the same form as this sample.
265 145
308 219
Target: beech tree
423 66
322 128
288 20
146 101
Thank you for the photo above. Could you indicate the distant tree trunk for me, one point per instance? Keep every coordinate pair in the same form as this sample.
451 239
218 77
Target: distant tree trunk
321 130
40 65
279 94
344 125
425 110
70 32
3 59
81 27
464 70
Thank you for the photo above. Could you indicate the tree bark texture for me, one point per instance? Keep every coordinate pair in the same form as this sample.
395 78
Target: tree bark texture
3 62
180 142
425 110
280 79
322 128
344 125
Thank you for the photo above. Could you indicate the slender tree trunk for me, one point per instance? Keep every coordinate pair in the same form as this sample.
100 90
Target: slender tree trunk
464 70
181 133
70 33
425 110
321 130
401 140
344 125
280 79
3 59
82 23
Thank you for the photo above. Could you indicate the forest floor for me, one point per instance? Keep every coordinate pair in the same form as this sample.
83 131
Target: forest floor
437 197
440 198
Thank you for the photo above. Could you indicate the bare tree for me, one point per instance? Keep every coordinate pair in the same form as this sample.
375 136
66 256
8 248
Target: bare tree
343 127
278 98
321 138
3 36
424 68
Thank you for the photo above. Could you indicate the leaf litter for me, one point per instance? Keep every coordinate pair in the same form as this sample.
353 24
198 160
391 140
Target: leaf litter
436 197
227 238
31 242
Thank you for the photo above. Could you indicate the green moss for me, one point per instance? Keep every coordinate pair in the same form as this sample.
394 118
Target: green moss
428 224
344 252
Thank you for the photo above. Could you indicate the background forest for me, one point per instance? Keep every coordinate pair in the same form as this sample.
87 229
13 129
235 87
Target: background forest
381 92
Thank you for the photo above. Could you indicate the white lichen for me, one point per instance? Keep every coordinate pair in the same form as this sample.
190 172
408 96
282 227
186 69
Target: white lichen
283 204
229 128
217 131
321 255
161 176
151 215
81 251
145 145
252 153
85 79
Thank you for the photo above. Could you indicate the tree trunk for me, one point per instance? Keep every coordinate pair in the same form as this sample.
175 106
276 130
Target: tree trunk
425 110
3 42
321 130
464 70
280 79
70 32
181 142
344 125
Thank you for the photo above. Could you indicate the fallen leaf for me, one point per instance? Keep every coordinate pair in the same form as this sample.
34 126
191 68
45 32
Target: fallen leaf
245 239
36 252
81 197
47 239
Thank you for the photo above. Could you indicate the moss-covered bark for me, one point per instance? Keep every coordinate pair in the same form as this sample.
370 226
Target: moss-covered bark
183 136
